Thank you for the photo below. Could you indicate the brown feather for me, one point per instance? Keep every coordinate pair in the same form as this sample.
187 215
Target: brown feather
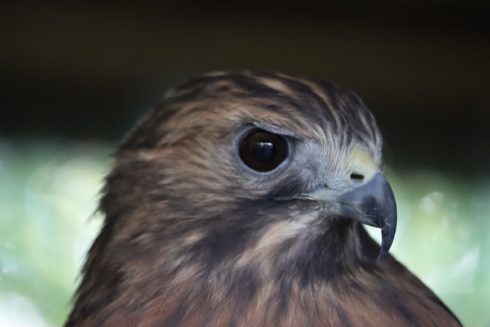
190 239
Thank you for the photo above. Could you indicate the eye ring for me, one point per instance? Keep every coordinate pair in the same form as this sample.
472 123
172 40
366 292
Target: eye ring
263 151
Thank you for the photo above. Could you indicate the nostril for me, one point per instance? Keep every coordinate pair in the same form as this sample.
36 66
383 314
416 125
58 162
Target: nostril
357 177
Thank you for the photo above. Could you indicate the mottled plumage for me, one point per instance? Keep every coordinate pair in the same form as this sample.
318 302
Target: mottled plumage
193 237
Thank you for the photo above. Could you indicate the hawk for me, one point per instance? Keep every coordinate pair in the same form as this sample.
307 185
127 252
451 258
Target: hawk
240 200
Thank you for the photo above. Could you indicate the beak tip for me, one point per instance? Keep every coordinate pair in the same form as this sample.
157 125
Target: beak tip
382 255
388 235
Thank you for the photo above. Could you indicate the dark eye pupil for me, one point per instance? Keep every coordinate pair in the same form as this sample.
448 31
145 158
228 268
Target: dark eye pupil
263 151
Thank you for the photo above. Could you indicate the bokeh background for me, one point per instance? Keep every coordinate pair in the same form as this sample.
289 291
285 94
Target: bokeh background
75 76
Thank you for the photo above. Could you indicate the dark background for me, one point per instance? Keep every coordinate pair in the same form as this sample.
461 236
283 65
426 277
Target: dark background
86 71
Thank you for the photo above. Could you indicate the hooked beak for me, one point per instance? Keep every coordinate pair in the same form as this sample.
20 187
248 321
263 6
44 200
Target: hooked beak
373 204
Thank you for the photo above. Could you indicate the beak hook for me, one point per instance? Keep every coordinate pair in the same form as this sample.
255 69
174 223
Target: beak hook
373 204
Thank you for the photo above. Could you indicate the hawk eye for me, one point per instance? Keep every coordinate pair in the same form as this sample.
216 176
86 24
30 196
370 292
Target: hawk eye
263 151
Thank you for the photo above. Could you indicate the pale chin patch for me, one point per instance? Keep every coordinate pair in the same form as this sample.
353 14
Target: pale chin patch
266 248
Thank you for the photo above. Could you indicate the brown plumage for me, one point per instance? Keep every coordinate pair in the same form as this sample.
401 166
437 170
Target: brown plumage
238 201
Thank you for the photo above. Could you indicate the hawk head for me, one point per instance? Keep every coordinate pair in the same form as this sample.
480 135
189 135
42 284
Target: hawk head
235 179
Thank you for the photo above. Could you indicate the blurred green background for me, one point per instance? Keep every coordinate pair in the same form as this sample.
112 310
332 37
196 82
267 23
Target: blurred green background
75 76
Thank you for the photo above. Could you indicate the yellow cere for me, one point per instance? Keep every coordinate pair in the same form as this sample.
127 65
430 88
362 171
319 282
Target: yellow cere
360 162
